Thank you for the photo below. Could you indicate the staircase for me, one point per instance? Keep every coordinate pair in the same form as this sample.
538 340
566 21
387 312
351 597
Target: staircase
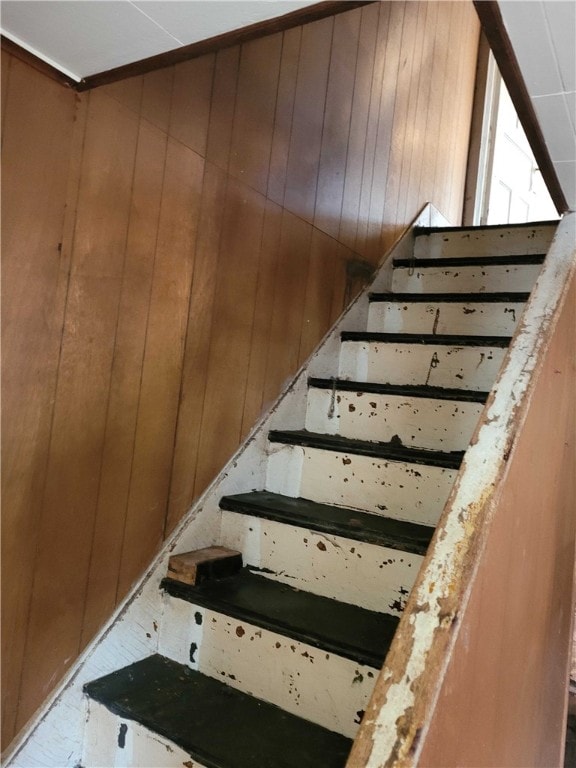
271 641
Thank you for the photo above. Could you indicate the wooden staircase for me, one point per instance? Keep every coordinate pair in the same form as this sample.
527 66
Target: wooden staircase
271 662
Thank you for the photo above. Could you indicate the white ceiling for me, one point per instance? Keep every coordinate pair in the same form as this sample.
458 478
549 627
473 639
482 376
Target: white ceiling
543 35
85 37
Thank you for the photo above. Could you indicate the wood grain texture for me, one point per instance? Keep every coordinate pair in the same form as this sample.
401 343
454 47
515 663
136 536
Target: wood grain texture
212 216
34 277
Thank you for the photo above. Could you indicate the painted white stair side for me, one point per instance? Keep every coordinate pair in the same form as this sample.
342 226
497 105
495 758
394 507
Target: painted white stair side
437 365
465 279
117 742
418 422
369 575
313 683
475 318
488 241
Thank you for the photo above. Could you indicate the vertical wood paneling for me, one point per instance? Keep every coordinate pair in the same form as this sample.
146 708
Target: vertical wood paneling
289 294
208 213
117 457
157 97
197 350
307 119
287 78
222 106
263 309
74 456
231 329
254 116
162 367
191 94
331 174
34 274
358 124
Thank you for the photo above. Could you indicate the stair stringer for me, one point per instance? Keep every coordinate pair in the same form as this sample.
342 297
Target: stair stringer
54 736
394 729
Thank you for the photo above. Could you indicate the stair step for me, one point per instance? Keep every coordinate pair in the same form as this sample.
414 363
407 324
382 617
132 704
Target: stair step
346 630
330 551
215 724
392 451
339 521
400 390
394 487
471 261
446 313
427 338
507 239
467 275
452 362
417 421
459 298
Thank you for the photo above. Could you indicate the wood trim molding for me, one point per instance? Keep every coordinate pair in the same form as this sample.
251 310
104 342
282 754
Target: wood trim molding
226 40
495 31
37 63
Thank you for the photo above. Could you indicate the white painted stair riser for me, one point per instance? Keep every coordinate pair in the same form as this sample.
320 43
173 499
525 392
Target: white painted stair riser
506 241
368 575
319 686
419 422
141 748
413 492
466 367
468 279
461 318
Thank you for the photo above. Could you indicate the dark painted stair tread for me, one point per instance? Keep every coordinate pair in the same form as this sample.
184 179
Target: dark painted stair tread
427 338
393 451
401 390
471 261
216 724
456 298
423 231
339 521
346 630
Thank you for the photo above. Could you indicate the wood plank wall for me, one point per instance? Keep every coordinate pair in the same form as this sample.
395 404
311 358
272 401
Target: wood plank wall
174 247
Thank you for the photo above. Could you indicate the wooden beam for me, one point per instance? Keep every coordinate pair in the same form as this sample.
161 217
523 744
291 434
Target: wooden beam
225 40
37 63
495 31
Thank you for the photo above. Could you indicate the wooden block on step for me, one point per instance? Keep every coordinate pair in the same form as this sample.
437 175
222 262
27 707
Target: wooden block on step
203 564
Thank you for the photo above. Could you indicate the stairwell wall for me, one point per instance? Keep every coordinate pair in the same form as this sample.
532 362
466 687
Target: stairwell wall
174 246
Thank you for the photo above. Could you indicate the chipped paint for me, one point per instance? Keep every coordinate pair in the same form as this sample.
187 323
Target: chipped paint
394 727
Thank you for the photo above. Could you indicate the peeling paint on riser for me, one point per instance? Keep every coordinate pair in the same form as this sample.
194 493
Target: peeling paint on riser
488 279
473 368
369 575
413 492
505 241
306 681
419 422
115 742
467 319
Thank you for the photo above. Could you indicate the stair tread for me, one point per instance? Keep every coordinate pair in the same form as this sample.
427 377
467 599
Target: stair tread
338 521
427 338
335 627
456 298
419 231
470 261
402 390
217 725
393 451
